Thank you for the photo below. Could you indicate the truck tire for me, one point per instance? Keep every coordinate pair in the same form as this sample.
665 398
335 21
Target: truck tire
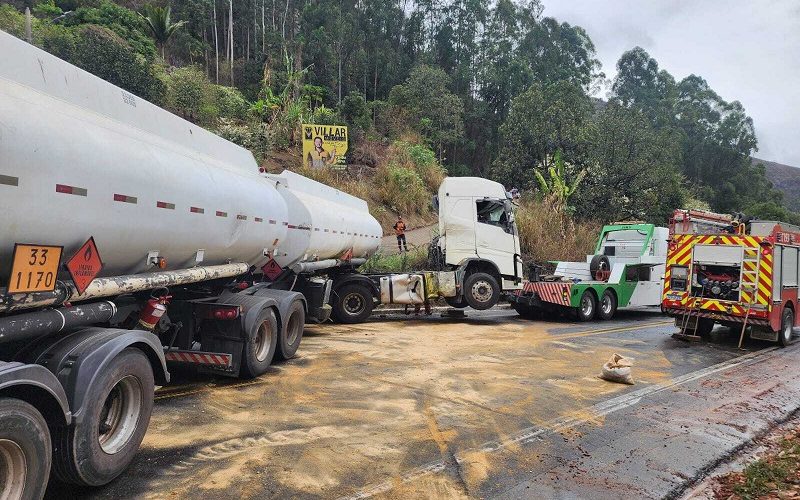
787 326
481 291
352 304
457 302
260 344
608 305
587 308
290 337
25 450
600 268
117 412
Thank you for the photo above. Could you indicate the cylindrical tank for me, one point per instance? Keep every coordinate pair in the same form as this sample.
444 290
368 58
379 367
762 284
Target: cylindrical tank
325 223
80 157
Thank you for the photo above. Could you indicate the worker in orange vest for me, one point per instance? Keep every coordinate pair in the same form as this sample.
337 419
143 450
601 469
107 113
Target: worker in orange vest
400 231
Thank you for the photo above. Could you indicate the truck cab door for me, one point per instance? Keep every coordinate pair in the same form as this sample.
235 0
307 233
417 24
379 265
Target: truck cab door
496 236
457 225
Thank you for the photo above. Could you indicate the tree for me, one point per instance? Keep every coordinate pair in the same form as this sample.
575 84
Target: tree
543 120
641 85
435 112
160 25
633 169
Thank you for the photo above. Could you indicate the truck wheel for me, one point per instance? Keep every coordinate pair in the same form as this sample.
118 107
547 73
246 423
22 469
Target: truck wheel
527 312
289 340
787 326
259 348
481 291
587 308
25 450
353 304
458 303
608 305
117 411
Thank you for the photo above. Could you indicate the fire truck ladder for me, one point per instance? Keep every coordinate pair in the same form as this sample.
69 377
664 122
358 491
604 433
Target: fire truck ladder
749 283
687 316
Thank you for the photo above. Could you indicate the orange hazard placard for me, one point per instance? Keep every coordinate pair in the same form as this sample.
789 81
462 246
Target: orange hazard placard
34 268
85 265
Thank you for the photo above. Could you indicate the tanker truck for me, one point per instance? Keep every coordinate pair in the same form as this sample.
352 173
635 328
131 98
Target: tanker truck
131 239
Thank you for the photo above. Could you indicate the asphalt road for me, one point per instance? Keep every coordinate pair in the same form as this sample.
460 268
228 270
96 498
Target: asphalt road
486 406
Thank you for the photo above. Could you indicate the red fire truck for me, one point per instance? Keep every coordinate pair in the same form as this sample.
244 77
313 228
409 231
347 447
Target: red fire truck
733 271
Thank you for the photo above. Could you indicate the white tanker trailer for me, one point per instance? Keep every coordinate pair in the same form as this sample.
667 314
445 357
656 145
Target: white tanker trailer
130 238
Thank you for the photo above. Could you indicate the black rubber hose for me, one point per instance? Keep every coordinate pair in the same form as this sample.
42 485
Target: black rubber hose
30 325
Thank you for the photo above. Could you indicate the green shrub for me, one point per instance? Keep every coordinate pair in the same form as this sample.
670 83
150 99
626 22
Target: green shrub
324 116
124 22
402 189
231 103
252 136
355 111
191 95
102 52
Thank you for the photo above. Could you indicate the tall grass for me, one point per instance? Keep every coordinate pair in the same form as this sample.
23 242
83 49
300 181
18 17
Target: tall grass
548 235
413 260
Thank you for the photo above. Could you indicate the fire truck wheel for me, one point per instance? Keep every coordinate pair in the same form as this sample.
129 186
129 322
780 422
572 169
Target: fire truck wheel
481 291
25 450
259 347
289 340
458 303
787 325
608 305
117 411
587 308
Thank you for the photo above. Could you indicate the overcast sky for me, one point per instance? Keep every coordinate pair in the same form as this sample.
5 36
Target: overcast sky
747 50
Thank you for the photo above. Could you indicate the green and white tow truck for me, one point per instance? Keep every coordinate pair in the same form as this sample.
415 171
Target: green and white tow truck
626 270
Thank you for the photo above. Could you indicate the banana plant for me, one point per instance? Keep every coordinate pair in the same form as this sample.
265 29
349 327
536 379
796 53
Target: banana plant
557 190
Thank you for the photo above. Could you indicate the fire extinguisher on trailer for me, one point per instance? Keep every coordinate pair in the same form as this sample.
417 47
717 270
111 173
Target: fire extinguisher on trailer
152 311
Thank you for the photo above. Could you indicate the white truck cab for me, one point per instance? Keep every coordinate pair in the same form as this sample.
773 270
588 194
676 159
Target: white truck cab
477 229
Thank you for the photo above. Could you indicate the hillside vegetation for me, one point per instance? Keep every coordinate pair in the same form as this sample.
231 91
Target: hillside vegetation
786 179
442 87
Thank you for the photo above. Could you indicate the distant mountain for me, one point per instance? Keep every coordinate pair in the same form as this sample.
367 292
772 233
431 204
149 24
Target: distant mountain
785 178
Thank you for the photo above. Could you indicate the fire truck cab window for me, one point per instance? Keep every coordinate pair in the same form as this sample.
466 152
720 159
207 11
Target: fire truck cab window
493 212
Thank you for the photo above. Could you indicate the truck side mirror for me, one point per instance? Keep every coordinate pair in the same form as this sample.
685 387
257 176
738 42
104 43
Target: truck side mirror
435 202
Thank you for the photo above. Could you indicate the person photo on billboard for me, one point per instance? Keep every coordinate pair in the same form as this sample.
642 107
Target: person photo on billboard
319 157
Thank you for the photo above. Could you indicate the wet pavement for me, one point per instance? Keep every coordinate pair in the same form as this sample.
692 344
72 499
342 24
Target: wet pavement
487 406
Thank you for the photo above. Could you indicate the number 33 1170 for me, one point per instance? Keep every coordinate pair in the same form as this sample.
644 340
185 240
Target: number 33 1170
34 268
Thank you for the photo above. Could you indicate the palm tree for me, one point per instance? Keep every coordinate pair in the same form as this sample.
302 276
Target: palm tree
161 27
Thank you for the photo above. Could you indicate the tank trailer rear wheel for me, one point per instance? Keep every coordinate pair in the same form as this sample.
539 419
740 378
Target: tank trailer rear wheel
25 450
289 340
259 347
118 406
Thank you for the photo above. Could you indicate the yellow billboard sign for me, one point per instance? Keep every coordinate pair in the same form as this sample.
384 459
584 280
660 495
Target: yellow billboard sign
324 145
